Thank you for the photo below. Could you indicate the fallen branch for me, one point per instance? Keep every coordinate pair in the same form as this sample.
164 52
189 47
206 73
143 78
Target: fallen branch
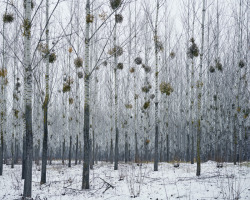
108 185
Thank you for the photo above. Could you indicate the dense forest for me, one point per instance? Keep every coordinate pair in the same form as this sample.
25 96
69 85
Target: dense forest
123 81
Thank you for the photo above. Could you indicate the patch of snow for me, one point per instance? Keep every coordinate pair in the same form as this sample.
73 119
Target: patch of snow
132 181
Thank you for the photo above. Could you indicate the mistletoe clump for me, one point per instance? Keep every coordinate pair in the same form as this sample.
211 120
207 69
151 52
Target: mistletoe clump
211 69
70 49
146 88
3 72
146 68
158 44
89 18
199 84
193 50
117 50
241 64
172 55
138 60
8 18
67 85
43 48
166 88
115 4
105 63
246 112
128 106
17 86
15 111
218 65
146 105
120 66
52 57
71 101
132 70
118 18
80 75
66 88
78 62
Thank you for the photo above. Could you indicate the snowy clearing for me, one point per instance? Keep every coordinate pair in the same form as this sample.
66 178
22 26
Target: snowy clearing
131 180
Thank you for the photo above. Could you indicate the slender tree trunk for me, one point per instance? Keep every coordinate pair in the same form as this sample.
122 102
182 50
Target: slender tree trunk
135 98
126 147
1 123
76 158
198 158
156 156
192 95
85 176
24 154
12 150
111 154
116 106
70 150
45 104
3 97
93 146
80 159
28 100
1 151
188 119
17 150
235 139
45 147
63 151
90 154
50 156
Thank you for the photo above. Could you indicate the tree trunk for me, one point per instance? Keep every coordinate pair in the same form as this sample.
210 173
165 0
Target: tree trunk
91 154
12 150
188 149
45 104
70 148
168 148
24 156
17 150
80 159
111 154
126 147
76 156
28 100
198 159
116 105
156 156
45 147
63 151
192 149
85 176
1 152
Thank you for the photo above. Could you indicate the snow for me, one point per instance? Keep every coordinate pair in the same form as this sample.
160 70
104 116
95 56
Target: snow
133 181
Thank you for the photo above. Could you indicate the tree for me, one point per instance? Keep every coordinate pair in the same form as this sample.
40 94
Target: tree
199 85
157 48
48 57
28 100
85 177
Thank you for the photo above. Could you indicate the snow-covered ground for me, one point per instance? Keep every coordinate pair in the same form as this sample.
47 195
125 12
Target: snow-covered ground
141 182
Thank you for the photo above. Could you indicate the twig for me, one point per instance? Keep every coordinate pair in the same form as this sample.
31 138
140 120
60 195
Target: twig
108 185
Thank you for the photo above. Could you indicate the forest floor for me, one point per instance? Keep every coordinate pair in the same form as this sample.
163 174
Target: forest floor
132 181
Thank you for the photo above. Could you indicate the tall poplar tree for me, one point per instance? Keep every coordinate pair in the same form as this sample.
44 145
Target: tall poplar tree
28 100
